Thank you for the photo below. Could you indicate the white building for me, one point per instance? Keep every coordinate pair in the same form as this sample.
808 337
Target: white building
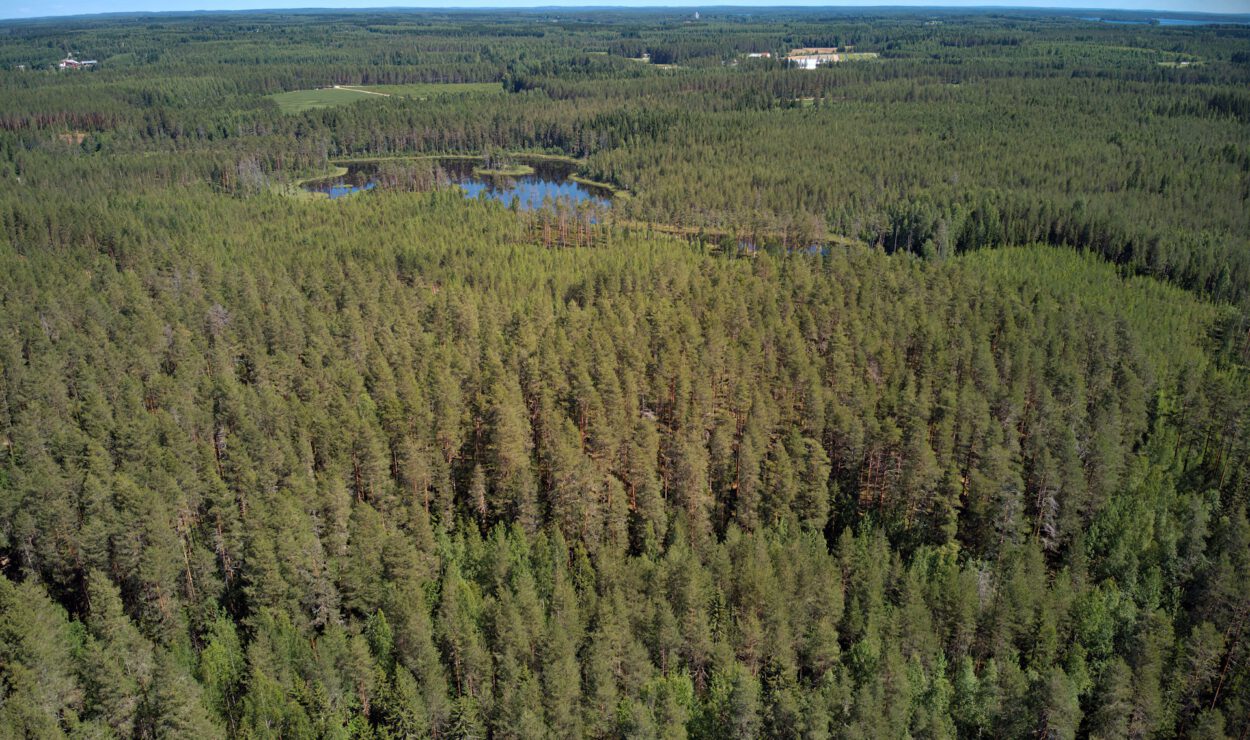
813 57
70 62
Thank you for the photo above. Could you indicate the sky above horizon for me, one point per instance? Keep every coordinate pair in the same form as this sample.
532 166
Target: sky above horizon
14 9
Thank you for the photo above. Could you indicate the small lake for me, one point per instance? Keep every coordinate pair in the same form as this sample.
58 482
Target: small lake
548 183
1237 21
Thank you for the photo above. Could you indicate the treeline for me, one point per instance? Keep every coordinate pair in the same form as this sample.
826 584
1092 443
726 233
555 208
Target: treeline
962 136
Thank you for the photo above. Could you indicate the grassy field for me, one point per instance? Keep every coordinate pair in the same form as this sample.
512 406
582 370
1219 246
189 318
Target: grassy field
298 101
429 90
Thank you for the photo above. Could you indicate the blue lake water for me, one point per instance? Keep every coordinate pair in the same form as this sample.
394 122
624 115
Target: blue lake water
529 191
338 190
1165 21
548 184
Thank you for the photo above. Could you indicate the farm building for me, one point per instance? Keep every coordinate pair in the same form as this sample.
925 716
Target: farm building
71 63
813 57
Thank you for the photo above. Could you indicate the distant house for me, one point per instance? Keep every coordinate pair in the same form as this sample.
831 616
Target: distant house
811 57
760 55
70 62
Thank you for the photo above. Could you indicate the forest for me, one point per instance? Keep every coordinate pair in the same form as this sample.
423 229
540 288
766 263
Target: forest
908 396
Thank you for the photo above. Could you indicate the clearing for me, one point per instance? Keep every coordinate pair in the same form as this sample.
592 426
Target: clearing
423 90
298 101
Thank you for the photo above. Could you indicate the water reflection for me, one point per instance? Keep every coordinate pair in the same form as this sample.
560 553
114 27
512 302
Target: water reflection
548 183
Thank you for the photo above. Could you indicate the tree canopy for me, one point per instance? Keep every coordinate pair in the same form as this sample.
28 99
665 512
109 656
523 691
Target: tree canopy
904 397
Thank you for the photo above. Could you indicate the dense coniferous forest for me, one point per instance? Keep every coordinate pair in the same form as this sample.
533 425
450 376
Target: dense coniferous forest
902 397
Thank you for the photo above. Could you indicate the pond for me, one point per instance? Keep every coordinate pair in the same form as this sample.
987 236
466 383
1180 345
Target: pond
549 181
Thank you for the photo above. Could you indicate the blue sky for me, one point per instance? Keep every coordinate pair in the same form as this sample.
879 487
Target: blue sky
39 8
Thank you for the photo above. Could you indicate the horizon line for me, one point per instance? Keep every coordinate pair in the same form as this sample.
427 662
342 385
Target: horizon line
853 5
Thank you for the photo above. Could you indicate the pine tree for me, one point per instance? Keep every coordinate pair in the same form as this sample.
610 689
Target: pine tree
222 669
42 694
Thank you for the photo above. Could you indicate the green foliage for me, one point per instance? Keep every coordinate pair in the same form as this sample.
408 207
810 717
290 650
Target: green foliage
410 465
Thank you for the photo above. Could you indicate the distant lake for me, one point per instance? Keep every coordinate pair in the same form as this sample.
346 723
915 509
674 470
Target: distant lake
1164 21
549 183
